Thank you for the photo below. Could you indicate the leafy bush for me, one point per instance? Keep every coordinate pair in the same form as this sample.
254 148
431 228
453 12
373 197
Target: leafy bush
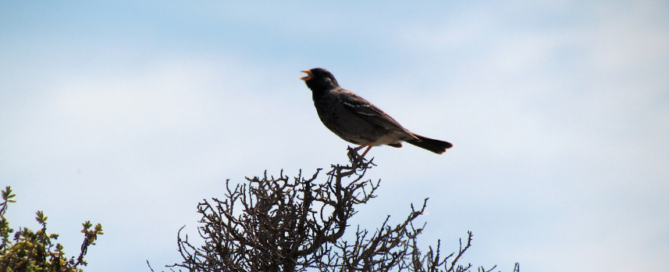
34 250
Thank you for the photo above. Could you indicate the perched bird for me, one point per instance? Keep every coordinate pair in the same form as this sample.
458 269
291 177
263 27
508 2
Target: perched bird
356 120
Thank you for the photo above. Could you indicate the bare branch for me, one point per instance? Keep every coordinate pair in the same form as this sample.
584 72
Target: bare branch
283 224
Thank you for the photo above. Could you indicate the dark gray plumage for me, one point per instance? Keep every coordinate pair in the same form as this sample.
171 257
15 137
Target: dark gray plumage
356 120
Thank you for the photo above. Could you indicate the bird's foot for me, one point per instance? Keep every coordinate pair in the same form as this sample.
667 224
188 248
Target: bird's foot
358 161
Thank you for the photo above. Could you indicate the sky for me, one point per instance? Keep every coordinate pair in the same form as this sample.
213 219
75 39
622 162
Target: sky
129 113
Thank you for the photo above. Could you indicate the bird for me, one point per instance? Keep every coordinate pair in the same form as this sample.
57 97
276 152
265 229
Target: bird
358 121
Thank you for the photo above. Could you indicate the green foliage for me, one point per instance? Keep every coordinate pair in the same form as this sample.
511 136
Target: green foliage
34 250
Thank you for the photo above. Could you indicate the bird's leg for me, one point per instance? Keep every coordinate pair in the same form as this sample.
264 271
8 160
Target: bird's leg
365 153
361 146
368 145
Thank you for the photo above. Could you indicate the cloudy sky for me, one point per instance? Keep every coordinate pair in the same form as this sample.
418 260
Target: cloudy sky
127 114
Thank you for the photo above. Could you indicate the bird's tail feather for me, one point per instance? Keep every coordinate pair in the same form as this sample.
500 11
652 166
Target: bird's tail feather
433 145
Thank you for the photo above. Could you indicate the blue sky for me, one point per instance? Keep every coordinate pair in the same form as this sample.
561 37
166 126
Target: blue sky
128 114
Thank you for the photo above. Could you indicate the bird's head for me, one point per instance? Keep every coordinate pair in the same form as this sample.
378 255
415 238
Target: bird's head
319 79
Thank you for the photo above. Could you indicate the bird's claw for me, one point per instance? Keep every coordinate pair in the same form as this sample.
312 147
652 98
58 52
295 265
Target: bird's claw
356 160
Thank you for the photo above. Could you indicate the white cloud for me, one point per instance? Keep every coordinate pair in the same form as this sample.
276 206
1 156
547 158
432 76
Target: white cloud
558 113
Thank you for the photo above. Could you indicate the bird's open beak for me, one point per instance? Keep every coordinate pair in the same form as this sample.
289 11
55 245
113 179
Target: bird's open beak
309 75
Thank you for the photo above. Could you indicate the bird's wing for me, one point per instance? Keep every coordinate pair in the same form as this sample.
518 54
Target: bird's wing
369 112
